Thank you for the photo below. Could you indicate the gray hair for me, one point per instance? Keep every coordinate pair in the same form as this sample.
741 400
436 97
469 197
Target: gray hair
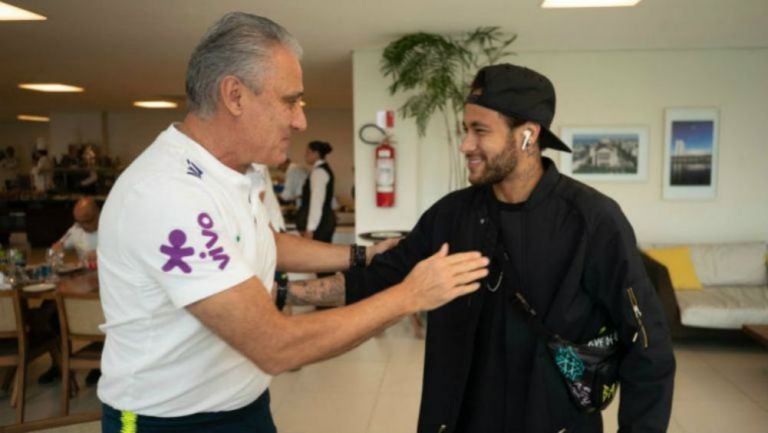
239 44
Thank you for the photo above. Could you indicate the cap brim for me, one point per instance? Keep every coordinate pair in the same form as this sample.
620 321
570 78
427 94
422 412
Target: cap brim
548 140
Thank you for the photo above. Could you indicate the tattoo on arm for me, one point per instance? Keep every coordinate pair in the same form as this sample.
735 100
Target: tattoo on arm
324 292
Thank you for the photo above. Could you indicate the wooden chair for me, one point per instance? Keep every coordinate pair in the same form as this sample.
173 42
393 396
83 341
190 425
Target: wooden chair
13 346
81 339
17 347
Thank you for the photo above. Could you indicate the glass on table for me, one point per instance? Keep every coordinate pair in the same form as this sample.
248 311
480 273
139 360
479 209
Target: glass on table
54 258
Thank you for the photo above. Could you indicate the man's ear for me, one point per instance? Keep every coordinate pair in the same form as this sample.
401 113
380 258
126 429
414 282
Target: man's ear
231 92
535 129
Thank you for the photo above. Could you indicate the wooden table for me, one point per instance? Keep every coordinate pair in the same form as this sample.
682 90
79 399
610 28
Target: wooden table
757 332
80 284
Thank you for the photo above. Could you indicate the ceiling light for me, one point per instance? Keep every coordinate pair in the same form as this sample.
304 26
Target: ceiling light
50 87
12 13
155 104
588 3
33 118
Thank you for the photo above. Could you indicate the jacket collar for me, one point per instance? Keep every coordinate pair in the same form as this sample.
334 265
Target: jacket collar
546 184
485 203
540 192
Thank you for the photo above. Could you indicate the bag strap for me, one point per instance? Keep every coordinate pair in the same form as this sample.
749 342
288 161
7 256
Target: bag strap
530 315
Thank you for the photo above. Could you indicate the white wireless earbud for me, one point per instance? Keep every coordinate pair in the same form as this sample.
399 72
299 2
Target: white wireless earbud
527 134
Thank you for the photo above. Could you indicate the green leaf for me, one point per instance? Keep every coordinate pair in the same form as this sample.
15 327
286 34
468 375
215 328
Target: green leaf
437 70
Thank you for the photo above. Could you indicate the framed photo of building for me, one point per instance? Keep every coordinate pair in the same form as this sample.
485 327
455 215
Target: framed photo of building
605 153
690 153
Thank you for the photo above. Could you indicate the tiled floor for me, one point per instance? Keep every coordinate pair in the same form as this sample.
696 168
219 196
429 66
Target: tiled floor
376 389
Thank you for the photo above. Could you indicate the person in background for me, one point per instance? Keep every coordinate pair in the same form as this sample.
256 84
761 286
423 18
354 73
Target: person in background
88 185
71 159
83 238
9 167
295 176
315 218
41 174
4 175
83 235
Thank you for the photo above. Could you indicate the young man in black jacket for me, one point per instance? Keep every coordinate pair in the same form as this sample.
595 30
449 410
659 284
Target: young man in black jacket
563 246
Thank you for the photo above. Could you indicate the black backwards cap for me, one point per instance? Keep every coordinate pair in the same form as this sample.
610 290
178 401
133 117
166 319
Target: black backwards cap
520 93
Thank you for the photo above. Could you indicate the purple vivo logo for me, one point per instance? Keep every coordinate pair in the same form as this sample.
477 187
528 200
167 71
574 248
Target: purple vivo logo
176 251
217 253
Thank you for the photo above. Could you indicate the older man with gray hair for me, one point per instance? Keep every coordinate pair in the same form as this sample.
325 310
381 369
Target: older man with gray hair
187 258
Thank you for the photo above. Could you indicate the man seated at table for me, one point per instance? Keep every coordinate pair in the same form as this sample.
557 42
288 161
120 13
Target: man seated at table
82 237
83 234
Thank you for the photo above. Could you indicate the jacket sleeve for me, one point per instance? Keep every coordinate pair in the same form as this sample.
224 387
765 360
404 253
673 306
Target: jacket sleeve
647 368
389 268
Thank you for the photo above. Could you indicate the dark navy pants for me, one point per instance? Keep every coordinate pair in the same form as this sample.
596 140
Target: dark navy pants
253 418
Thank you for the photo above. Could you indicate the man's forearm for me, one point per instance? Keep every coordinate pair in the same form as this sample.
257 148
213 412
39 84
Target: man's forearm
324 292
296 254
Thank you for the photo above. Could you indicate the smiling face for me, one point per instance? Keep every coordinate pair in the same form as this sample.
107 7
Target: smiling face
489 145
270 117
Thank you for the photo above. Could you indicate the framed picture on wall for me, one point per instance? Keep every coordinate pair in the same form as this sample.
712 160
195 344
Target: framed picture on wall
690 153
617 153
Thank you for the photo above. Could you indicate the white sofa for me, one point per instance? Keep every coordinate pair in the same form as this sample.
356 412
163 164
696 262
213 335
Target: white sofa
734 278
735 287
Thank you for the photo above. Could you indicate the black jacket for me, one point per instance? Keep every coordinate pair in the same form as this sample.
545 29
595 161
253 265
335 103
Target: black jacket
579 259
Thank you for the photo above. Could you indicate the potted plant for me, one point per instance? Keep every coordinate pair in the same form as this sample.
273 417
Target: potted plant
437 70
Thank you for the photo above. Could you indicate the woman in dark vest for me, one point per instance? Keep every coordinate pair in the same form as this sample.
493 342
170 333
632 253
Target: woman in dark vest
315 218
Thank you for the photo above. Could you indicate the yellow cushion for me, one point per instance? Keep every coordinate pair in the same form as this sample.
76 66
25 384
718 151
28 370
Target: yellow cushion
680 267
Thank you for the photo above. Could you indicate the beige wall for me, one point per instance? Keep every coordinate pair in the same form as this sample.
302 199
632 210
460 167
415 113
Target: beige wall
335 127
130 132
610 88
23 137
74 128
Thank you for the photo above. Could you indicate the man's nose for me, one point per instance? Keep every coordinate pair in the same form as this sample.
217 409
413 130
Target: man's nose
299 121
467 144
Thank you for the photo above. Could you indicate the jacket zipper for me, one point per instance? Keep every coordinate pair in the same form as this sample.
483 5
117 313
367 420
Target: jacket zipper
638 317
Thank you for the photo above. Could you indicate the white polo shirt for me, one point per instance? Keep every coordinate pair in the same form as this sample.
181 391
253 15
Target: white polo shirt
177 227
80 240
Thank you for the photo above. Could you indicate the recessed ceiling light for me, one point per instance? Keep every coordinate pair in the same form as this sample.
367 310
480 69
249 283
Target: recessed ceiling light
50 87
155 104
12 13
588 3
33 118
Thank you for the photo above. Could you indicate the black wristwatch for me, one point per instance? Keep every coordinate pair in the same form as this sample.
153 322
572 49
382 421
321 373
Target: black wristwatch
357 256
282 293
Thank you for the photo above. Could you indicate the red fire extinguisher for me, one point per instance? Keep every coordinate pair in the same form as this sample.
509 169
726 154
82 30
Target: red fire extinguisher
385 174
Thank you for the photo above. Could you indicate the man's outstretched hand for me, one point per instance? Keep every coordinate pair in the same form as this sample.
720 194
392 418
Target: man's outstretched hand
441 278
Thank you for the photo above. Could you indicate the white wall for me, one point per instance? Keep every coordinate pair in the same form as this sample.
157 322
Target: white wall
369 90
602 89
